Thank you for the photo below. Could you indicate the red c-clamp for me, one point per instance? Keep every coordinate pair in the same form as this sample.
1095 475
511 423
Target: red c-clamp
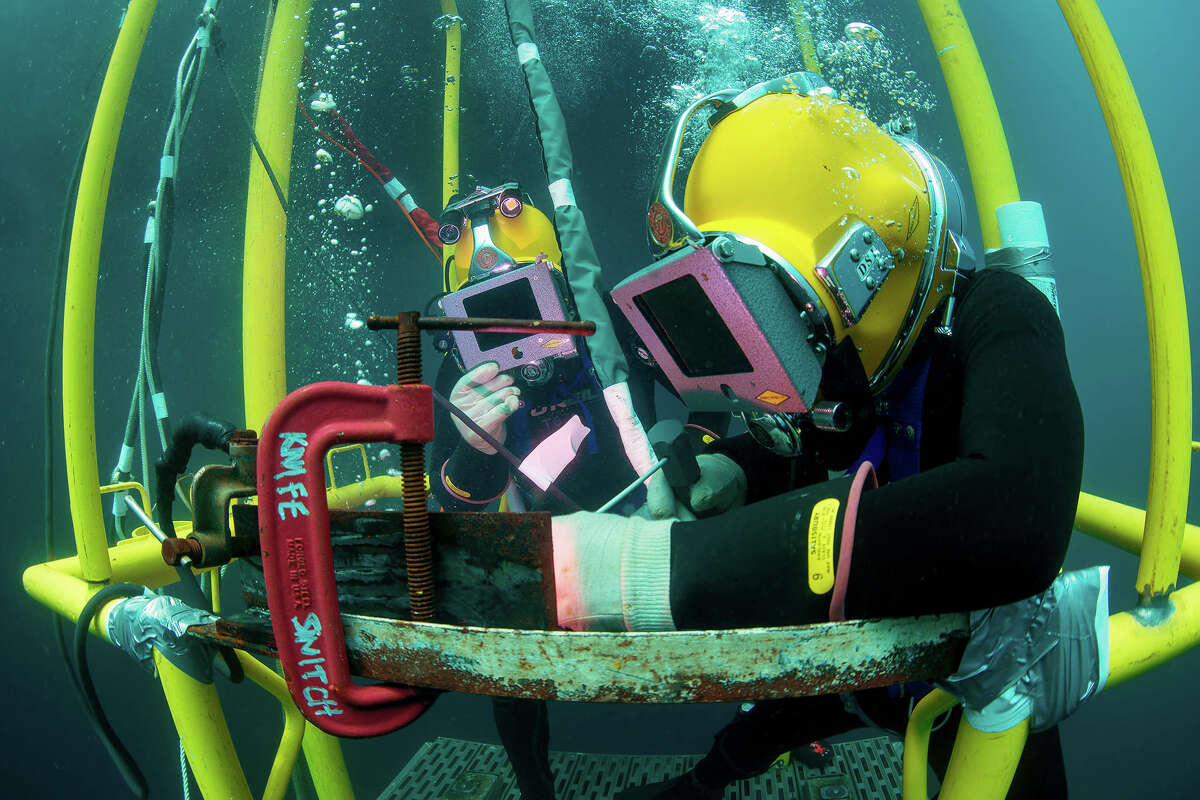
293 521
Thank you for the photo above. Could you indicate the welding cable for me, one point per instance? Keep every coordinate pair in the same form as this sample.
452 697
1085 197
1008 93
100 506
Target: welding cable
392 185
384 182
156 248
218 46
121 756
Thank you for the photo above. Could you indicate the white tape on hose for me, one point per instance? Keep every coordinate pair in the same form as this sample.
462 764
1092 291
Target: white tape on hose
126 459
160 404
526 52
562 193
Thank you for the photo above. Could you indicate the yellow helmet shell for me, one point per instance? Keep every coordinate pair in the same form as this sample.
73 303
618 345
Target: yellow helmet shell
790 172
526 237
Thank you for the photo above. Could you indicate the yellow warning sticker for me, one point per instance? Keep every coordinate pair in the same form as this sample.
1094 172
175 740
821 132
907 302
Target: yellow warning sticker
822 523
463 493
771 396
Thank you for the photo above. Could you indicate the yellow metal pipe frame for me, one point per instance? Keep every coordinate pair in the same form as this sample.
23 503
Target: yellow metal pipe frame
196 710
1137 645
293 725
986 148
451 102
355 494
1162 283
1124 527
451 105
916 742
60 585
79 304
808 46
982 764
263 362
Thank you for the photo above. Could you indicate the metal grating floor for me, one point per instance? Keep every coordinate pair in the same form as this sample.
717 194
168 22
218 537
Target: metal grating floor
865 768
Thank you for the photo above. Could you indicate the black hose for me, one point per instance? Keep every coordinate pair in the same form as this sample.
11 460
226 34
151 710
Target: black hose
60 273
192 430
217 47
124 761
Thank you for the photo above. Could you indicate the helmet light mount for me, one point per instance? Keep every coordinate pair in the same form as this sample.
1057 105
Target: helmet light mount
475 210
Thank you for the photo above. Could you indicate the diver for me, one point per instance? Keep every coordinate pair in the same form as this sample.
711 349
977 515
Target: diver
817 284
533 398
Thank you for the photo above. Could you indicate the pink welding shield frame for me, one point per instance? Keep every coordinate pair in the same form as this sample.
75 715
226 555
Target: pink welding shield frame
725 332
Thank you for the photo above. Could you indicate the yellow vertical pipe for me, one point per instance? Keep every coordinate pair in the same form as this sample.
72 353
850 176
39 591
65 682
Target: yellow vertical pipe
916 742
263 364
986 149
293 725
1162 282
451 103
79 304
808 46
982 764
326 764
196 710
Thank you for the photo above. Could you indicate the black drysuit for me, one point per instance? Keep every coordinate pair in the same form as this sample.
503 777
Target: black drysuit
986 520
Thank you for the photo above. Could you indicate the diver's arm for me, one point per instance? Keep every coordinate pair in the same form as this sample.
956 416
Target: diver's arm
988 528
993 525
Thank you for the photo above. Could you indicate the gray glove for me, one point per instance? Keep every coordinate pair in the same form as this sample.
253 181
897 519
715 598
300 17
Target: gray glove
721 487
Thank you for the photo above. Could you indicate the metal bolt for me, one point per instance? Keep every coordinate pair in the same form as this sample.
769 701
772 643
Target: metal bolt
869 282
174 550
868 237
723 248
854 254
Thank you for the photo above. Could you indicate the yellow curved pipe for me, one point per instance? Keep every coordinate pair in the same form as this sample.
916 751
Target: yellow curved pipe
1124 527
293 725
79 302
264 372
355 494
1136 647
986 148
916 742
451 103
982 764
808 46
196 710
1162 282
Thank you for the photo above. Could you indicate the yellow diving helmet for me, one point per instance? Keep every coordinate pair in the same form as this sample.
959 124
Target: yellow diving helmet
805 229
495 228
506 267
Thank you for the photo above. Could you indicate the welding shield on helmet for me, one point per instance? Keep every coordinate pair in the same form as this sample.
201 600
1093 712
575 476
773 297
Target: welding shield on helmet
805 229
507 266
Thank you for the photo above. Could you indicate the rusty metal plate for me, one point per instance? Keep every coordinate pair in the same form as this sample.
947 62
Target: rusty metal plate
490 568
677 667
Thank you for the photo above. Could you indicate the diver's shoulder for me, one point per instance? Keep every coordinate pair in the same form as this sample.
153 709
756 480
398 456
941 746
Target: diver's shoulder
1001 291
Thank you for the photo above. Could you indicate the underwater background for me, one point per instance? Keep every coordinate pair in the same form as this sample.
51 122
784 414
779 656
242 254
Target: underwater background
622 71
